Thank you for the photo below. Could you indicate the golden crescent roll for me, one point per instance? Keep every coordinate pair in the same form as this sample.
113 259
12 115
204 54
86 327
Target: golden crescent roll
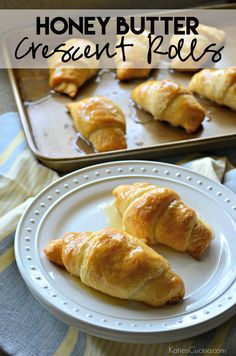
157 214
171 102
218 85
100 121
119 265
206 35
68 77
136 65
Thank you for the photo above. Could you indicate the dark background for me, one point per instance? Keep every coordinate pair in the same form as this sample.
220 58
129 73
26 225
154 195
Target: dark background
105 4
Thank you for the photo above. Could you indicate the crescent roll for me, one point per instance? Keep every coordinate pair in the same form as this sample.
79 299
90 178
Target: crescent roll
68 77
117 264
218 85
100 121
135 65
158 214
171 102
207 35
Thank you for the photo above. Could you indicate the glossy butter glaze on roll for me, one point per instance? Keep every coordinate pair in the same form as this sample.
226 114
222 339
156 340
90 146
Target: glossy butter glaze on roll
218 85
119 265
171 102
68 77
158 215
100 121
207 35
135 64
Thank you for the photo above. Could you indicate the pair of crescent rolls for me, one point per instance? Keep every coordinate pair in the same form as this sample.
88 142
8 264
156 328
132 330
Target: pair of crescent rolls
207 35
117 264
218 85
68 77
100 121
157 214
121 265
171 102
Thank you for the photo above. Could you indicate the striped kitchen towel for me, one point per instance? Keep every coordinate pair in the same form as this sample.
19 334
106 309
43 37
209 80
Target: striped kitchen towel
26 328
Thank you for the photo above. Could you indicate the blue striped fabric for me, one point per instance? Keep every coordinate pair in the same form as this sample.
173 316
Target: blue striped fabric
10 127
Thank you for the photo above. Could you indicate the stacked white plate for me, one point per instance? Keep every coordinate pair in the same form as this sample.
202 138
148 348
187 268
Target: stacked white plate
81 201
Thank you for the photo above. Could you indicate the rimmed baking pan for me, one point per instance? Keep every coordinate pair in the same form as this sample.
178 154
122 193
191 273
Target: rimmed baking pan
52 138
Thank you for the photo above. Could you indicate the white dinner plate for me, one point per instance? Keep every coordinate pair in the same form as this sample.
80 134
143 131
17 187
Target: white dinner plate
82 201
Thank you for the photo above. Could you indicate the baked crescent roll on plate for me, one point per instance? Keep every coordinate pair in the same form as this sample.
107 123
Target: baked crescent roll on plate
100 121
157 214
171 102
117 264
207 35
218 85
135 65
68 77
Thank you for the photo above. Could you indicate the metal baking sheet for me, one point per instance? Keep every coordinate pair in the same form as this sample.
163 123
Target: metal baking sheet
54 141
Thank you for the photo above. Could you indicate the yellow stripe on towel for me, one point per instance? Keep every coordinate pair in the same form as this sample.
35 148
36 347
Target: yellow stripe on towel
94 346
68 343
9 230
7 258
97 347
10 148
